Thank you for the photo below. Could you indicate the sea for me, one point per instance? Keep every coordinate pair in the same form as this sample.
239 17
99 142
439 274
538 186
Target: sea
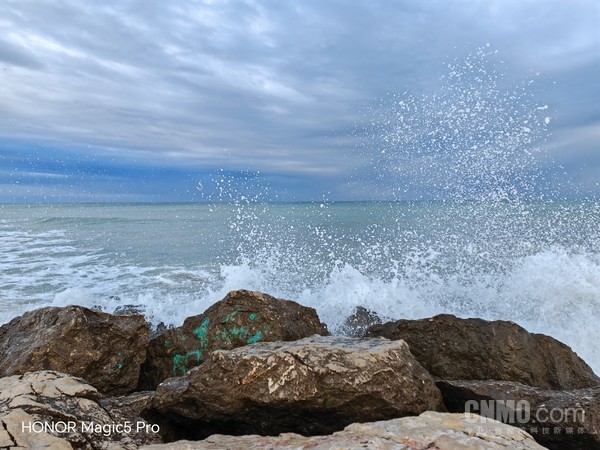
536 263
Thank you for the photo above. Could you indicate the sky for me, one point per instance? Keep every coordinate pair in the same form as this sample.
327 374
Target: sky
144 100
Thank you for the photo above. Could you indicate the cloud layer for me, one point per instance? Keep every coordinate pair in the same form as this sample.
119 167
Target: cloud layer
178 90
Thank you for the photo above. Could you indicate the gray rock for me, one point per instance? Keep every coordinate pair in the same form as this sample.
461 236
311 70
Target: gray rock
476 349
58 411
124 310
241 318
555 419
357 324
311 386
430 430
158 330
105 350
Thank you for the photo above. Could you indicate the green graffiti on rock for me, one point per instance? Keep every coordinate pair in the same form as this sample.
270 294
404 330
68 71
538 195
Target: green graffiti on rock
257 337
201 333
224 337
230 317
120 361
238 333
181 362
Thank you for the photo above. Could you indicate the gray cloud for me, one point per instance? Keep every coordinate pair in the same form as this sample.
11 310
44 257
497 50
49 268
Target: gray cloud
13 55
267 85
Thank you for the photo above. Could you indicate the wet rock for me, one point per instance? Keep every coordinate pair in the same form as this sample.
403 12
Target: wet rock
241 318
105 350
555 419
310 386
357 324
125 310
50 409
430 430
158 330
476 349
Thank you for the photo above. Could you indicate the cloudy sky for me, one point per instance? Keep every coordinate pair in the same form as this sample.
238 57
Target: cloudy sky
159 101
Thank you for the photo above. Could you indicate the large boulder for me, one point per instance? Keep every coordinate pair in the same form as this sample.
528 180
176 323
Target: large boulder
476 349
556 419
430 430
54 410
241 318
311 386
105 350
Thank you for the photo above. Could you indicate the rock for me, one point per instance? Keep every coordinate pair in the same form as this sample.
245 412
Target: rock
158 330
311 386
241 318
50 409
430 430
131 405
555 419
476 349
125 310
356 325
105 350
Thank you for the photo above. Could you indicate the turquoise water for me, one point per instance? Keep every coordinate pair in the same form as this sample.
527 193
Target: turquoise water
536 263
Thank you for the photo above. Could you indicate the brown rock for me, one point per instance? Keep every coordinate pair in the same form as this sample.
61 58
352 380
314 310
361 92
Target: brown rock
476 349
430 430
105 350
241 318
131 405
54 410
556 419
314 385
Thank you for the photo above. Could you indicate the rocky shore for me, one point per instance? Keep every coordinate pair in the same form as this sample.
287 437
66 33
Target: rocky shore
254 371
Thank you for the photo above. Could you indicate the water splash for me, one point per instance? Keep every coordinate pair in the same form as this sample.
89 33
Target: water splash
475 137
488 237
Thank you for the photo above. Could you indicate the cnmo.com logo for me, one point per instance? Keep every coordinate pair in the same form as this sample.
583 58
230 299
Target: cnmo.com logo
519 412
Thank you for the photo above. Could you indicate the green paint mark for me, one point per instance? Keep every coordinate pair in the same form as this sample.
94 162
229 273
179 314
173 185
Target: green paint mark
224 336
120 360
257 337
166 344
181 362
201 331
230 317
241 333
179 365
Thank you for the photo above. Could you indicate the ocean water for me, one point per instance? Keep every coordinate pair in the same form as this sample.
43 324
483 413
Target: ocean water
535 263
